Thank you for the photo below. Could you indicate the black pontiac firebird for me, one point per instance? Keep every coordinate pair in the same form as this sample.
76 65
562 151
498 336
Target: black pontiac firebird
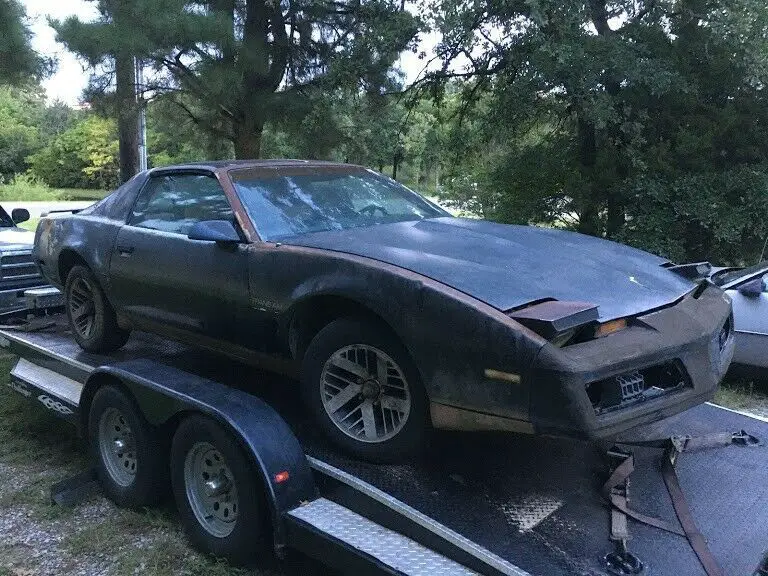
396 316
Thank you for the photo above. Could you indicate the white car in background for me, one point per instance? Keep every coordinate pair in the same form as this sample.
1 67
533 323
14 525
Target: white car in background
748 289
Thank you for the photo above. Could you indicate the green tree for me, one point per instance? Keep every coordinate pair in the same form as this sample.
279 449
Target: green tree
242 63
21 112
605 116
18 61
84 156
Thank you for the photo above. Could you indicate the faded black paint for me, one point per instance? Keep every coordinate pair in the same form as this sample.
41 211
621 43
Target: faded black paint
243 302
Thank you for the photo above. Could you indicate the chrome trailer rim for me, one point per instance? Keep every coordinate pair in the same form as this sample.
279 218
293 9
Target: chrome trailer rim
117 447
365 393
211 489
82 307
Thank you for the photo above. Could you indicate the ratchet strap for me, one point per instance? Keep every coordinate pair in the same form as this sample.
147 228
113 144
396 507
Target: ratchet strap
616 489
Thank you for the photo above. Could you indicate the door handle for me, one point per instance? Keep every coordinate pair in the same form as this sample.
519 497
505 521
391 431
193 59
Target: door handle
125 251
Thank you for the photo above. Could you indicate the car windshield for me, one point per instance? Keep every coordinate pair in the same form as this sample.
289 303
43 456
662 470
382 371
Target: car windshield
291 202
730 276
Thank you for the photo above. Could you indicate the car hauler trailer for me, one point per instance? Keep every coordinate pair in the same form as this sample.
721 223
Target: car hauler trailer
474 503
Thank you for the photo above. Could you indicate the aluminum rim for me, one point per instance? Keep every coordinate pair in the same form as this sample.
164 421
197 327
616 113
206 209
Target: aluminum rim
211 489
117 447
365 393
82 309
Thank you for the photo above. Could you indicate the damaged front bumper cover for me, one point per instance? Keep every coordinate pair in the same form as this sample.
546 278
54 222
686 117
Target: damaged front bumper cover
663 363
667 361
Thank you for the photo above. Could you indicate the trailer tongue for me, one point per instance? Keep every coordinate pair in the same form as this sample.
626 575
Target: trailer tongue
488 504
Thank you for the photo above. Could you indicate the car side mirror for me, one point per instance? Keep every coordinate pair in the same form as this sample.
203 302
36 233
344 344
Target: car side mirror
753 288
19 215
222 231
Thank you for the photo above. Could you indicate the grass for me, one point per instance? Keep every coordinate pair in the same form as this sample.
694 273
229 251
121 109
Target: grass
38 449
743 394
25 190
30 224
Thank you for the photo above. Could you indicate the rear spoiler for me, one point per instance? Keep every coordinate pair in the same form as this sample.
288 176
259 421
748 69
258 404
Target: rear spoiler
73 211
692 271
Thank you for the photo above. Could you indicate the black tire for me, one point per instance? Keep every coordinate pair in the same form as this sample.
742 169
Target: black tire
104 334
412 437
248 541
145 456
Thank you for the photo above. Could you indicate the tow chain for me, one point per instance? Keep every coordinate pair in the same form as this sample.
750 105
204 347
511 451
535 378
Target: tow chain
622 562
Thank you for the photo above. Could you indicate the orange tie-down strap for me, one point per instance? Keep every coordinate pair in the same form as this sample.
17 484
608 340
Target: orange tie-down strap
615 488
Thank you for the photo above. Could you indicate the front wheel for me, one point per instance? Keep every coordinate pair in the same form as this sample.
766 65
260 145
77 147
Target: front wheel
363 389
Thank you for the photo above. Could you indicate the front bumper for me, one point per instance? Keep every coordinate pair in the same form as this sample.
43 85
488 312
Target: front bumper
687 334
21 298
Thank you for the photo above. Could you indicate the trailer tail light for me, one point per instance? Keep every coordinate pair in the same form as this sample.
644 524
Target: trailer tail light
281 477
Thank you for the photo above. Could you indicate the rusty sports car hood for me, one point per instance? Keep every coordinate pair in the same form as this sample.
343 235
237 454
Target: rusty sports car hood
509 266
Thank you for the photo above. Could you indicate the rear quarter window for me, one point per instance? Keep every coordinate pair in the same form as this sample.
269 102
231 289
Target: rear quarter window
117 206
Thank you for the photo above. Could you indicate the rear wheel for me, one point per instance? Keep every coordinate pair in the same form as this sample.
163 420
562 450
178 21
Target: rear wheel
218 494
127 450
91 316
364 390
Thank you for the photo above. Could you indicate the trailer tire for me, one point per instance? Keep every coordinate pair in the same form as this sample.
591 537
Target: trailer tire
96 328
219 495
137 476
397 423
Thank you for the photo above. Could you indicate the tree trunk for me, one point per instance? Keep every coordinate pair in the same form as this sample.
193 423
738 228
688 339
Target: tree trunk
248 139
128 116
589 216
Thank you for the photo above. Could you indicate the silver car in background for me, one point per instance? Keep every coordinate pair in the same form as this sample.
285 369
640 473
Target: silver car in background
748 289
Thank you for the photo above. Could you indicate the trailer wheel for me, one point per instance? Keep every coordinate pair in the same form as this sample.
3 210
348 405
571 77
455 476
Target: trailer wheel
363 389
127 450
218 493
91 316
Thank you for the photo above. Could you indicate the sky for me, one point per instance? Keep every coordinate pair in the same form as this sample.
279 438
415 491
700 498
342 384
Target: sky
71 76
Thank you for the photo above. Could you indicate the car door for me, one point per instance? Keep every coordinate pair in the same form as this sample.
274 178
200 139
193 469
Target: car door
163 280
750 320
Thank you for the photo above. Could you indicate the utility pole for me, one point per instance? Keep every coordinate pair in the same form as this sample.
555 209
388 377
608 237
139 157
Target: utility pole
142 105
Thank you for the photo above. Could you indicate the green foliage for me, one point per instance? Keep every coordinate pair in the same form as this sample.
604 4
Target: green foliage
18 61
234 66
21 112
84 156
640 121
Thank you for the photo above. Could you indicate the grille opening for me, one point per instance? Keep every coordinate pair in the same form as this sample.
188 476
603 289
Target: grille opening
18 267
636 386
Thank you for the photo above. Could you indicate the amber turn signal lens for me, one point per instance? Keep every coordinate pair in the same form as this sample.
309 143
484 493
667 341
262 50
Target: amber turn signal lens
281 477
610 327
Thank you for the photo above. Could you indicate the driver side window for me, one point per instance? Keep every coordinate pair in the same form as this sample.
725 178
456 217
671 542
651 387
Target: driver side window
174 202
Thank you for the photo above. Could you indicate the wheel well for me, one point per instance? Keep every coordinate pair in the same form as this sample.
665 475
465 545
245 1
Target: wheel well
314 314
68 259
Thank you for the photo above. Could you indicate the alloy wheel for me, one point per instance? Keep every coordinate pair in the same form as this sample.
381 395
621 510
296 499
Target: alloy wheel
82 307
365 393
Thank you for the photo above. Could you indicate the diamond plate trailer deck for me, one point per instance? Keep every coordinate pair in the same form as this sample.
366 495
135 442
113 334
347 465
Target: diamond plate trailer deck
502 504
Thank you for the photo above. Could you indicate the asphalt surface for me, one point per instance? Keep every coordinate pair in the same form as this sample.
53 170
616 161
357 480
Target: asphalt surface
37 209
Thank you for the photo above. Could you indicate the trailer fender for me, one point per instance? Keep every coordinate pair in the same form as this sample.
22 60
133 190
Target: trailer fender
163 392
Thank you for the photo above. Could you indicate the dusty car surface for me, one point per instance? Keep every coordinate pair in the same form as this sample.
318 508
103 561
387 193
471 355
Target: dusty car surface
396 316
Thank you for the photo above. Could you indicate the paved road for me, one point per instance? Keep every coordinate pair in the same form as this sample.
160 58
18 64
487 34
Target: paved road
36 209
